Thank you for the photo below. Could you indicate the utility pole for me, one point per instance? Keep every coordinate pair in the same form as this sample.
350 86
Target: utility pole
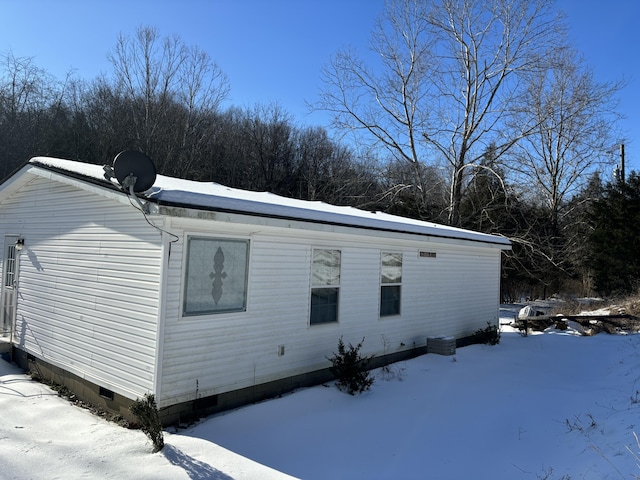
622 177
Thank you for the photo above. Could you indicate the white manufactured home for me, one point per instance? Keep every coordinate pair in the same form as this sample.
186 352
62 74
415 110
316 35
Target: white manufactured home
210 297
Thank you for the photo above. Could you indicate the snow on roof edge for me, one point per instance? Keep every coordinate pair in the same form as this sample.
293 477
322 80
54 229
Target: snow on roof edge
214 196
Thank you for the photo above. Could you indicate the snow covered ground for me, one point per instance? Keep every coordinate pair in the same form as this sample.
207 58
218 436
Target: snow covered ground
548 406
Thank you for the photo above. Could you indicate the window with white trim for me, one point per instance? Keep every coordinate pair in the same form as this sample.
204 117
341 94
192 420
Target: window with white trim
390 283
325 286
216 276
10 266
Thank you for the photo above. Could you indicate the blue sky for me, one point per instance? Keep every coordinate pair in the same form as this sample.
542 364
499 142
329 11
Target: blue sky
273 50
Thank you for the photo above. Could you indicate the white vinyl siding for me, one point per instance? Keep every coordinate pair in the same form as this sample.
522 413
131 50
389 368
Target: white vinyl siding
453 294
457 292
88 284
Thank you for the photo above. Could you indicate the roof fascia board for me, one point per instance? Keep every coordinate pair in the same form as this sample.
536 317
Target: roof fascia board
325 227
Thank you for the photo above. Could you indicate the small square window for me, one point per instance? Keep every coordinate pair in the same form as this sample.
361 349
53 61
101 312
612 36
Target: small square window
216 276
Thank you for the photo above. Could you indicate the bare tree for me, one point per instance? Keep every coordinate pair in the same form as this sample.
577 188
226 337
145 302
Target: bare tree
575 119
330 172
204 88
32 112
108 119
402 195
388 104
448 74
172 91
268 132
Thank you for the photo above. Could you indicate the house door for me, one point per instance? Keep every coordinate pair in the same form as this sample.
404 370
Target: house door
9 278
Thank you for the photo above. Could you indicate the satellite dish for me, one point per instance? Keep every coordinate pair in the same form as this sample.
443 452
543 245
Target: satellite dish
134 171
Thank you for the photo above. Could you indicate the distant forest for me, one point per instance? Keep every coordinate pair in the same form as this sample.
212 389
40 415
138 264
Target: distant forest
515 142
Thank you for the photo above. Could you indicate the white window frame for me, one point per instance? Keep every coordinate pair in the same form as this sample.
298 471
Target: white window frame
214 277
327 280
390 280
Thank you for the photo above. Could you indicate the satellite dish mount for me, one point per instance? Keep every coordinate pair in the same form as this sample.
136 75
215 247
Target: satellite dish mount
129 183
136 173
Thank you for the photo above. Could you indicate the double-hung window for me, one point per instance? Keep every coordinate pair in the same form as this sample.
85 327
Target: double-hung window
216 276
325 286
390 283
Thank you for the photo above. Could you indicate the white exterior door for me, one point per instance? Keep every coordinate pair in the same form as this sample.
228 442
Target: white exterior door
9 279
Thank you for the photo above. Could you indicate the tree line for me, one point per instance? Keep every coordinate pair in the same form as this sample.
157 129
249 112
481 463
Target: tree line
472 113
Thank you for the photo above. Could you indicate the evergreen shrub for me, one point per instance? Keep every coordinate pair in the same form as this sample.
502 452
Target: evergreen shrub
146 412
350 368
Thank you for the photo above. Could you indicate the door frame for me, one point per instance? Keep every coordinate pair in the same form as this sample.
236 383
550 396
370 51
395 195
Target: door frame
8 292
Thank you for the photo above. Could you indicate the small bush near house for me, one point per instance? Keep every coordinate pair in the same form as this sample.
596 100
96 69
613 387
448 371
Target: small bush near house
146 412
392 372
351 368
489 335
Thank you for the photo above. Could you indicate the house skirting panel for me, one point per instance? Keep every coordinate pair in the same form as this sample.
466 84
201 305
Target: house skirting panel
185 412
85 391
202 407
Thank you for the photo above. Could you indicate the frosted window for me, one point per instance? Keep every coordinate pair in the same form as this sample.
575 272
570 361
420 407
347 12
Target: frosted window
326 267
216 278
391 268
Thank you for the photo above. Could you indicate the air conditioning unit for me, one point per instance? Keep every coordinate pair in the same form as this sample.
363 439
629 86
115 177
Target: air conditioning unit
441 345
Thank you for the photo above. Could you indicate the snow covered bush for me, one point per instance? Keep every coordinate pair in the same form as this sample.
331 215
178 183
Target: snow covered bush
146 412
350 368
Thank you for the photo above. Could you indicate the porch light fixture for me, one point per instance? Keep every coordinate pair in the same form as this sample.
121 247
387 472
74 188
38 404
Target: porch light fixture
19 244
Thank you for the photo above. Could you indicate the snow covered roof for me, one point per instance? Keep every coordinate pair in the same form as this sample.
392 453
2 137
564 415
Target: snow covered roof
215 197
